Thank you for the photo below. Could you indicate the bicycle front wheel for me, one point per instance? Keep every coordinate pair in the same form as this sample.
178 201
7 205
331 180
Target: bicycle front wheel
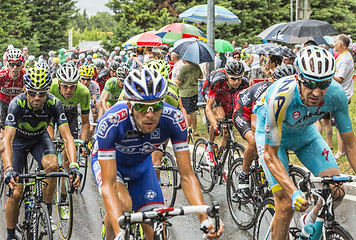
241 209
64 208
42 227
337 232
83 168
202 170
168 179
265 213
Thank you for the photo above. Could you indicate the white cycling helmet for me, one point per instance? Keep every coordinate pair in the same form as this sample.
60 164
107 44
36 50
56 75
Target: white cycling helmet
68 73
81 56
316 64
14 54
145 84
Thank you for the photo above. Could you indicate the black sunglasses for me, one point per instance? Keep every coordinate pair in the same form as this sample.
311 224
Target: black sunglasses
32 93
13 64
313 85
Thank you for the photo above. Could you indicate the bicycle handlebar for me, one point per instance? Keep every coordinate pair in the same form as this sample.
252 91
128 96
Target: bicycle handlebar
161 214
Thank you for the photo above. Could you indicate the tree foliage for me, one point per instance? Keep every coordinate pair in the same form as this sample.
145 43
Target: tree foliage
38 24
134 17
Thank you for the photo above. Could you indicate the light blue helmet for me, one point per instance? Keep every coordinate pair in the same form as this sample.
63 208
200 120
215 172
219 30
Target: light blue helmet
315 63
145 84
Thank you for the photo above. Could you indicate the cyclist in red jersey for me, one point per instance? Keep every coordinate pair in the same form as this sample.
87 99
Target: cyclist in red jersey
11 80
245 122
224 86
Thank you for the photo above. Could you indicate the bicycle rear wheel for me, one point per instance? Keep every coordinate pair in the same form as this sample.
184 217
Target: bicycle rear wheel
64 207
202 170
168 179
264 219
242 210
336 232
42 227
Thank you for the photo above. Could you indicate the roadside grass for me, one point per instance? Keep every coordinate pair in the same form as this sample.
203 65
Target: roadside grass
343 163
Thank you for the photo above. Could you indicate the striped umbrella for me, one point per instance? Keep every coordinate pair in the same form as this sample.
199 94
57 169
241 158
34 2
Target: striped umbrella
199 14
177 31
149 39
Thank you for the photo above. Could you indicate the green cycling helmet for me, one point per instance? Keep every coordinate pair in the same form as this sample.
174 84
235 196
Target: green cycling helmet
160 65
37 78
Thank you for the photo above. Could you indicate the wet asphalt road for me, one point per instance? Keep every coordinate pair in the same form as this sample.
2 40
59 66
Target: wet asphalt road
88 220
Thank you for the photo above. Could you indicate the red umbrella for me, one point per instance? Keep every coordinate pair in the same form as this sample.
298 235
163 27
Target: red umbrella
144 39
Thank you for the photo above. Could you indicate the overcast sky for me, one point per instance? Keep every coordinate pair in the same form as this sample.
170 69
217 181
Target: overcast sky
93 6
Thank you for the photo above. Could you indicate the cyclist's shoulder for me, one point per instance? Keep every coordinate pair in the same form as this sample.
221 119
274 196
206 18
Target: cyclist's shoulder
285 86
19 101
81 90
172 115
120 111
4 73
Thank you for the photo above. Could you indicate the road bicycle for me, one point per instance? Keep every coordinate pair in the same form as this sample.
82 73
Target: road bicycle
209 175
244 210
34 218
325 227
159 219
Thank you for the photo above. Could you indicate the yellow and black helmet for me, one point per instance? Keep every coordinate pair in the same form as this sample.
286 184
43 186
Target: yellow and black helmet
37 78
86 71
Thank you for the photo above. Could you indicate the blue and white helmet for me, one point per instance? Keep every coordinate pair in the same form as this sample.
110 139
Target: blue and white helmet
145 84
315 63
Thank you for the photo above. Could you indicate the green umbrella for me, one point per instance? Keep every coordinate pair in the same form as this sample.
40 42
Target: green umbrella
223 46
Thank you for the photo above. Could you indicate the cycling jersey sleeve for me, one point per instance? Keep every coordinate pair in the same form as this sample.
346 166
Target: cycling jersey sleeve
341 113
108 132
14 111
278 102
177 128
57 110
84 99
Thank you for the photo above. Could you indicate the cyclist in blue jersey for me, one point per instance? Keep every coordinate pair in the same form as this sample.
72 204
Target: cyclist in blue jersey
127 135
285 118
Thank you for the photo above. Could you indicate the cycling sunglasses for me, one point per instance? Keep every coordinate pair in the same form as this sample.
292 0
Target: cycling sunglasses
143 107
33 93
69 86
13 64
313 85
235 78
122 79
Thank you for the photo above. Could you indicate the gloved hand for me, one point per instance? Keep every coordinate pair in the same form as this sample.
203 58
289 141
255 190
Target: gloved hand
297 200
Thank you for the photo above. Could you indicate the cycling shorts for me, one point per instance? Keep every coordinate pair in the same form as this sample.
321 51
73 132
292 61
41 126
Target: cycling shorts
145 190
72 116
190 103
310 148
39 147
242 121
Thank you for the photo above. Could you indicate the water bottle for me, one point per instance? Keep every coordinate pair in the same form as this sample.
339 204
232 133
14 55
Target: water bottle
28 208
307 232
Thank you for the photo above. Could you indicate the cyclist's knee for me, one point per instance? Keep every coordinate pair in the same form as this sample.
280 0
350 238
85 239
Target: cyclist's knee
283 202
50 164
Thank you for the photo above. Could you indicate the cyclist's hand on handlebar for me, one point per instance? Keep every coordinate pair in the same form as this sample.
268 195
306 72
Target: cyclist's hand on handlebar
299 203
11 178
212 234
75 176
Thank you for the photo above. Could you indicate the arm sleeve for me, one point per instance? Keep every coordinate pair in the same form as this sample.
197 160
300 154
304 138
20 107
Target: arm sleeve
341 113
106 138
343 69
178 131
13 113
85 101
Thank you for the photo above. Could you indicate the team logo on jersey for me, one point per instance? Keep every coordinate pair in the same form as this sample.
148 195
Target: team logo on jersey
156 134
62 117
296 115
112 120
178 118
267 128
10 117
150 194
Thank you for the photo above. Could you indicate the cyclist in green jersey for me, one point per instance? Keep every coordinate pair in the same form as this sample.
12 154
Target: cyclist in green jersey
72 93
113 88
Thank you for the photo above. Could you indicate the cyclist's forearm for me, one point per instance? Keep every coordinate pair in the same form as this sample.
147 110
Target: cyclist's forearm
112 206
6 156
84 133
278 170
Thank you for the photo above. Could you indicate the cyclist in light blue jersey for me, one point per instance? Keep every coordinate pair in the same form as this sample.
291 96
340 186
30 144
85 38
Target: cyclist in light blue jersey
285 117
127 135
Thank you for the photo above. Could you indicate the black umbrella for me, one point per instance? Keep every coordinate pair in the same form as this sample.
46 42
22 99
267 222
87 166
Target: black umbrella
270 49
271 32
308 28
